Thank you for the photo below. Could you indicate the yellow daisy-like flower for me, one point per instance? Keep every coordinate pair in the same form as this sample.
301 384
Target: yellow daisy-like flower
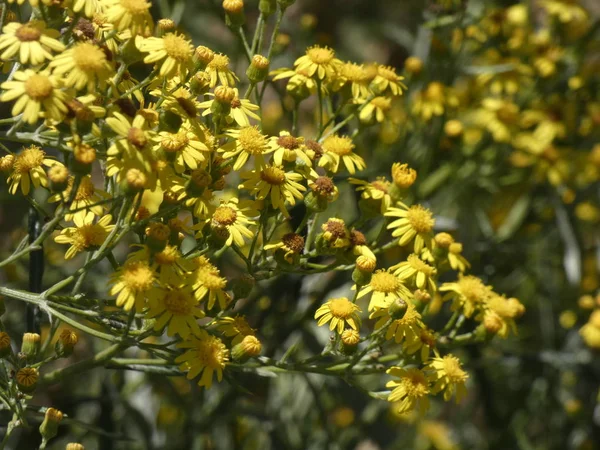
431 101
447 375
338 312
169 264
359 77
218 70
240 112
413 223
27 170
208 281
408 327
274 183
299 85
384 288
181 101
236 327
86 199
31 41
469 293
377 190
132 282
85 235
378 109
203 355
499 117
340 148
248 141
499 315
410 391
335 233
38 94
387 81
177 307
230 219
319 62
289 148
132 15
416 270
135 141
185 148
84 65
172 51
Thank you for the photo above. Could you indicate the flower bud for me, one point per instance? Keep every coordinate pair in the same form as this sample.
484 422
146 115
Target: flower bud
27 378
30 345
49 427
422 296
165 26
134 182
267 7
234 13
4 344
58 177
397 309
250 347
74 446
221 106
258 69
200 179
202 56
413 65
66 343
83 157
349 341
200 83
157 235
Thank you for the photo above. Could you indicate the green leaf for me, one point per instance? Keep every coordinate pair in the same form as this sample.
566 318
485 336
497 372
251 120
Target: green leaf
435 180
515 218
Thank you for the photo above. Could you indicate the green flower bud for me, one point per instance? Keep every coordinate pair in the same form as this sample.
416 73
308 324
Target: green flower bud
27 378
234 13
49 427
267 7
30 345
66 343
258 69
250 347
4 344
397 308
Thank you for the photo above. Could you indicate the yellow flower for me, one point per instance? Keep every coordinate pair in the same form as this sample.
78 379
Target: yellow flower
387 80
219 70
299 85
26 170
86 199
84 65
289 148
413 222
565 10
38 94
375 190
208 281
418 271
131 283
241 110
499 117
180 101
134 144
203 355
499 315
274 183
385 287
31 41
319 62
169 263
177 307
469 294
248 141
403 176
378 108
339 312
340 148
236 327
447 375
132 15
359 78
431 101
230 220
172 50
409 327
424 340
410 391
86 235
186 147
